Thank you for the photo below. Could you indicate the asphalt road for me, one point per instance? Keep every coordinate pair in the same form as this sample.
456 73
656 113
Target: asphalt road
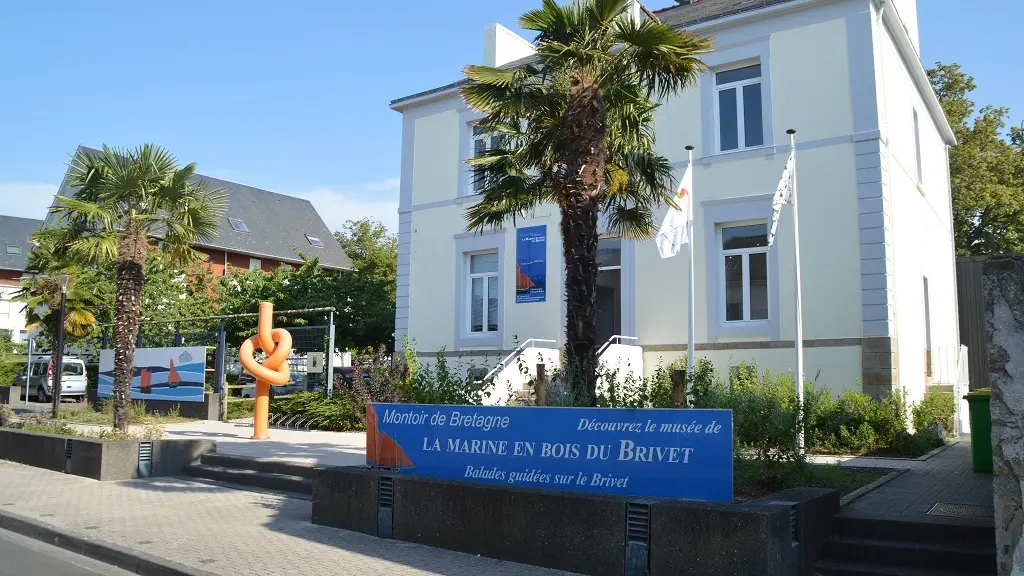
20 556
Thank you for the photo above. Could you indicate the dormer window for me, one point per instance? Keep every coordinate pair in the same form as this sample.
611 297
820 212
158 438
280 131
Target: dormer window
238 225
313 240
13 249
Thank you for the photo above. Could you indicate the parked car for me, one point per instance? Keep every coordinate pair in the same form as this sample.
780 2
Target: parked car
37 376
348 374
296 384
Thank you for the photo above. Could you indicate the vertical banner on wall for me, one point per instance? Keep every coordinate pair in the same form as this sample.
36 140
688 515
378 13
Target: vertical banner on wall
531 264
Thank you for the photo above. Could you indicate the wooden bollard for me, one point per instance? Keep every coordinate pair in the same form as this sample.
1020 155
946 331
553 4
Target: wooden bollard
541 386
679 388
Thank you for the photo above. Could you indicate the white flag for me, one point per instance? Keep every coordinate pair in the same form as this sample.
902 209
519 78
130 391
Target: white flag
782 195
674 231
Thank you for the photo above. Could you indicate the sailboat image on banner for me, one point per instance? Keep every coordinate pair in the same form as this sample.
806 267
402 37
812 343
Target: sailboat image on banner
523 282
172 377
146 381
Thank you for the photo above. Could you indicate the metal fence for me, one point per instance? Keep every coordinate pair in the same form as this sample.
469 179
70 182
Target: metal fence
310 361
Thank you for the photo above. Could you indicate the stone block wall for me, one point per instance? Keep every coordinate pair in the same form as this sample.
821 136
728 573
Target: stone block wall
1003 281
879 366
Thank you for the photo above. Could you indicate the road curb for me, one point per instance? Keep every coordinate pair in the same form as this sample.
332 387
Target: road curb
123 558
869 487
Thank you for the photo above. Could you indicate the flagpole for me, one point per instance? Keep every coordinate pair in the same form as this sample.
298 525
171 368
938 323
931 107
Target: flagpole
690 338
799 305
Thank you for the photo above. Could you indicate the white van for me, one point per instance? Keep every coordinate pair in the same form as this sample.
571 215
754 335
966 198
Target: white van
38 377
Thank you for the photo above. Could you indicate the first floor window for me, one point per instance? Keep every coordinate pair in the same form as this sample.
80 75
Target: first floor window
745 277
484 290
255 264
738 107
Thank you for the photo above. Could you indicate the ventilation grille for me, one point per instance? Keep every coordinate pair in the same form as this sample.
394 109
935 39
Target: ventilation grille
386 492
638 523
794 523
145 459
67 448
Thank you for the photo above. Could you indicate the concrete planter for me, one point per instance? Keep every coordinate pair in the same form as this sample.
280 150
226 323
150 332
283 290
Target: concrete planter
11 394
584 533
208 409
100 459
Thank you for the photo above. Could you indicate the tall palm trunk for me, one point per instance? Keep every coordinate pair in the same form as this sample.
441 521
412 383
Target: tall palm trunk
129 279
585 162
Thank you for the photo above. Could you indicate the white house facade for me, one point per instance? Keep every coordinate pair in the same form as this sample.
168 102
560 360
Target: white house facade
877 256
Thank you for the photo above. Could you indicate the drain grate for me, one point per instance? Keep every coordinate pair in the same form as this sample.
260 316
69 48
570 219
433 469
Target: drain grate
961 510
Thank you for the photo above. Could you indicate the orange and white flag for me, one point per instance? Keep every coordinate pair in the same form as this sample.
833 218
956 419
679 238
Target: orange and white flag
674 231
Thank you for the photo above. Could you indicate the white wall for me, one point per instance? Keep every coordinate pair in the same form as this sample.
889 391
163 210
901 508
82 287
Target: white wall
12 314
921 227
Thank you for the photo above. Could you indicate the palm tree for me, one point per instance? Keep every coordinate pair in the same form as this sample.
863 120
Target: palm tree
124 201
574 128
87 292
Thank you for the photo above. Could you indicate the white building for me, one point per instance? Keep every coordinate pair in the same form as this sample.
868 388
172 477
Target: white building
879 298
14 248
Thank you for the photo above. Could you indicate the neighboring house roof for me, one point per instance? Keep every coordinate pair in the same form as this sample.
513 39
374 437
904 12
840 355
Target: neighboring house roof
277 225
689 14
15 231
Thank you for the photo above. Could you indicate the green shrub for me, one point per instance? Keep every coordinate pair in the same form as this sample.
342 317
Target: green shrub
6 415
655 391
238 409
334 414
437 383
936 407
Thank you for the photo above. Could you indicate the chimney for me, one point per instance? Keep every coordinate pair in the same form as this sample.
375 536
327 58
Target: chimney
502 46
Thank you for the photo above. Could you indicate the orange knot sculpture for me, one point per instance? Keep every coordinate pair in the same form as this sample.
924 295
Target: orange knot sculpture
276 343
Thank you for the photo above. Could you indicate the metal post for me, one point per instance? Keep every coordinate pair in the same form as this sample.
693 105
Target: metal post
177 334
799 303
329 361
138 338
104 340
218 372
58 367
28 375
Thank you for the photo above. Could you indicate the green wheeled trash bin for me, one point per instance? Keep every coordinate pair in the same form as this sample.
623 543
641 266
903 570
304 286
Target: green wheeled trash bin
978 402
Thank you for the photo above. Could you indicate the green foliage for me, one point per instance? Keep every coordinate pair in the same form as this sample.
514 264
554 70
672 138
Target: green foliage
986 168
437 383
8 368
766 421
368 319
858 424
175 291
335 414
655 391
239 409
6 415
936 408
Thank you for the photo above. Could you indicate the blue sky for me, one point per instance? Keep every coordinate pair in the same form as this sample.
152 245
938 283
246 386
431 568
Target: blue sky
293 96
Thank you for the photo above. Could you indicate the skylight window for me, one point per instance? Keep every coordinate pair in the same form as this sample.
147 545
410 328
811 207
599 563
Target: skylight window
238 225
13 249
314 241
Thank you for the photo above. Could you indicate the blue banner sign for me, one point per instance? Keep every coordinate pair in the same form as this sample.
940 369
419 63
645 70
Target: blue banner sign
634 452
531 264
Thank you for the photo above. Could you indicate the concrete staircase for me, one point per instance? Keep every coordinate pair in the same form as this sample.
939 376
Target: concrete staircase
862 545
254 472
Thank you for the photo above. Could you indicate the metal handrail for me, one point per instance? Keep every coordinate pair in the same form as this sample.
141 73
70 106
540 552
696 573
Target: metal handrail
610 340
519 350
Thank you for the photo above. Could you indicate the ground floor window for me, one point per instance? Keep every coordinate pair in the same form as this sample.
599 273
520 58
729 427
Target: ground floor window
484 292
744 286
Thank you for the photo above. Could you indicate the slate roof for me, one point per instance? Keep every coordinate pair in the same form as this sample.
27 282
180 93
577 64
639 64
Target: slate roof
277 226
14 231
679 16
704 10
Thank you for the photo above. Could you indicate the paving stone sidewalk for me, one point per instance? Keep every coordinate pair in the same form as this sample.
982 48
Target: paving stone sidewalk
945 477
222 530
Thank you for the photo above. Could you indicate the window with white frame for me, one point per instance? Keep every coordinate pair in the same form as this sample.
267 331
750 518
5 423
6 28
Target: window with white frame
482 141
483 290
740 122
744 283
917 150
255 264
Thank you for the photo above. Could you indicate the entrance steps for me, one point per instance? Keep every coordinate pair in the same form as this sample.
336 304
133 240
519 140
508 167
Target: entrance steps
863 545
254 472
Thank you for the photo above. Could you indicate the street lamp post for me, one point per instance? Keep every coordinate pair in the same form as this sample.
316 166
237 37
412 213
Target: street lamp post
58 368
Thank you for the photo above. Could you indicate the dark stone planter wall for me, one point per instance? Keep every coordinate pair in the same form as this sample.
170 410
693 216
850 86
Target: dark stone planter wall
583 533
99 459
208 409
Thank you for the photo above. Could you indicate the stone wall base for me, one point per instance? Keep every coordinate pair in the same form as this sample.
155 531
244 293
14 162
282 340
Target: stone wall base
879 366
